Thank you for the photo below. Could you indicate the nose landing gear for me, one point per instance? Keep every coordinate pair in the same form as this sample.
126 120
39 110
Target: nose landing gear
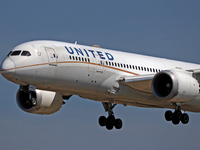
177 116
110 121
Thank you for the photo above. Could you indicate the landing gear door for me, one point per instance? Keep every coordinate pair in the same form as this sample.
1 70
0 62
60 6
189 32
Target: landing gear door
51 54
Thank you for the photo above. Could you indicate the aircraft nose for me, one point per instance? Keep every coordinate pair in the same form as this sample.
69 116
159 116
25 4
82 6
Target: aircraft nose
7 68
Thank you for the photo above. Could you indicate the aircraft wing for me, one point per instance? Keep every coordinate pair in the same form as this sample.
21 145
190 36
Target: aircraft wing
195 71
140 83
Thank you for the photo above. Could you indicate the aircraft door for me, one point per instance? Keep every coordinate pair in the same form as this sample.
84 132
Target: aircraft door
99 66
51 54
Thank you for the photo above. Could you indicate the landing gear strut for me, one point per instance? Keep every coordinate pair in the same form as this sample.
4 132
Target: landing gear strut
110 121
177 116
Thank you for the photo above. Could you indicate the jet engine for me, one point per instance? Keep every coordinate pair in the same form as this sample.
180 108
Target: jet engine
175 86
39 101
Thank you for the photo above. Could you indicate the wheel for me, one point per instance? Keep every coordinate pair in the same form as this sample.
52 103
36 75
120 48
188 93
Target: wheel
109 125
102 121
110 121
118 123
177 114
175 120
176 117
168 115
185 118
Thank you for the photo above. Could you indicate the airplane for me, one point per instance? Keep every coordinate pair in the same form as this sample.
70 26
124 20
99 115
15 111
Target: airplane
49 72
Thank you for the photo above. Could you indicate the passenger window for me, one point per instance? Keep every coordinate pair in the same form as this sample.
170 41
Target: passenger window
70 57
15 53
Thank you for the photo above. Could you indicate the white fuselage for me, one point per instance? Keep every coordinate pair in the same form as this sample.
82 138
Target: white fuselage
89 72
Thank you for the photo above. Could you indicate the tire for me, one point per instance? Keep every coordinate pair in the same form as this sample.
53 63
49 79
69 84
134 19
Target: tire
175 120
111 119
109 125
168 115
185 118
102 121
118 123
177 114
176 117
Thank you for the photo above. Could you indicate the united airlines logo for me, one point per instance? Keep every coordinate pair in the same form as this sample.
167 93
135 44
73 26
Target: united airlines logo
89 53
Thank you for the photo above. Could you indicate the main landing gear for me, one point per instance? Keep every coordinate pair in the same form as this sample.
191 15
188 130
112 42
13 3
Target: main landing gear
177 116
110 121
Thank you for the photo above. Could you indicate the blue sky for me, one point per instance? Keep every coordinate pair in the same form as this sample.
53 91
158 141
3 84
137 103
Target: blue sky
167 28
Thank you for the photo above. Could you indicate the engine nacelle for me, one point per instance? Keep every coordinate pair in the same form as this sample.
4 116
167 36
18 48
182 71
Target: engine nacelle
175 86
44 102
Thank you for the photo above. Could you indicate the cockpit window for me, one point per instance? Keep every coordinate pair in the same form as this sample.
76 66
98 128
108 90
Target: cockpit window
26 53
15 53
